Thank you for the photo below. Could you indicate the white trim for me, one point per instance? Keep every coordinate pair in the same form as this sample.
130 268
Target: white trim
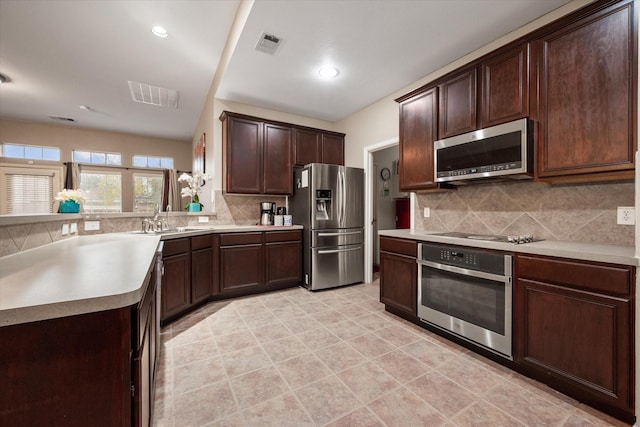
368 203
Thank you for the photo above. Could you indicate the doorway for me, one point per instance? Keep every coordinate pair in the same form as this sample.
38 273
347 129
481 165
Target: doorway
380 196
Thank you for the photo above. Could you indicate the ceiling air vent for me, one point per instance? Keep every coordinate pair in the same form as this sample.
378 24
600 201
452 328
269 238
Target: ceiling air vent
268 43
153 95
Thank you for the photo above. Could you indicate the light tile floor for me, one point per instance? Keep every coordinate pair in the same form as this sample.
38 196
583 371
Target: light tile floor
336 358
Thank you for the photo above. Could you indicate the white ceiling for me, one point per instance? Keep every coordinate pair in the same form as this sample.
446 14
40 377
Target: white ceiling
60 54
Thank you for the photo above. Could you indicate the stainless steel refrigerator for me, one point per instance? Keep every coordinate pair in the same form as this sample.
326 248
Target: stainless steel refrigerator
328 200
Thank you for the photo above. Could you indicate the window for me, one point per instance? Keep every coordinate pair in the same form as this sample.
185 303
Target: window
153 162
147 192
97 157
34 152
28 190
103 191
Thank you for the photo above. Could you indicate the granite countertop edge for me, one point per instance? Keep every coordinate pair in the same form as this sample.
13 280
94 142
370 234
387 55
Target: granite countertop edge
614 254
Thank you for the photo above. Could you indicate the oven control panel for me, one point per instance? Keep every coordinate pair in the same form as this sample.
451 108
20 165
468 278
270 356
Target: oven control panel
472 259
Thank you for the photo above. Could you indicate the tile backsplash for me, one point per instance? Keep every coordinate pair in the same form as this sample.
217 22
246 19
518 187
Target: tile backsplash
577 213
230 209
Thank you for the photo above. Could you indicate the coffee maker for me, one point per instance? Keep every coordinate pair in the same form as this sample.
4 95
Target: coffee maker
267 210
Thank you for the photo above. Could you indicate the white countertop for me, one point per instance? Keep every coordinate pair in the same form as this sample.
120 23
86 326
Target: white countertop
582 251
74 276
87 274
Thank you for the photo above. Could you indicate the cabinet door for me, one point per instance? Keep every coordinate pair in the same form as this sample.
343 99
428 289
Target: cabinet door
457 108
243 146
573 328
283 263
578 338
587 97
143 379
176 285
505 87
308 146
332 149
418 131
277 168
399 282
201 275
241 268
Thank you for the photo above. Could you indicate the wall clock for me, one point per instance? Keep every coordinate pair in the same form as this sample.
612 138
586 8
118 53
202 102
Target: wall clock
385 174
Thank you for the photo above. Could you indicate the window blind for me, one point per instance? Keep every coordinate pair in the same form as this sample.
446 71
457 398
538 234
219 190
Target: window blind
29 194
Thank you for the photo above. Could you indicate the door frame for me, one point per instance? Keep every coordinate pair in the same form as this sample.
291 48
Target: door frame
369 202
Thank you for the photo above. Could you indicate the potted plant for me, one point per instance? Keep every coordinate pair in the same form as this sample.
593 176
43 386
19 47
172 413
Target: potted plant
195 184
70 201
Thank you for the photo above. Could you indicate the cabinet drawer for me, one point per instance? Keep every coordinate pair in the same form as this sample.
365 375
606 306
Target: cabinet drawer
201 242
400 246
231 239
175 246
604 278
282 236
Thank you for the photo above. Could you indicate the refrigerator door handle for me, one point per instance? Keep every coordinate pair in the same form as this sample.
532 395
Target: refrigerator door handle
338 234
340 198
335 251
343 202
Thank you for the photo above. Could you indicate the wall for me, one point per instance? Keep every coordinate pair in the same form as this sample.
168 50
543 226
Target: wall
68 138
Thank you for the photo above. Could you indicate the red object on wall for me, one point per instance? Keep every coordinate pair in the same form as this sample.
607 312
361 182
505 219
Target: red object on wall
403 213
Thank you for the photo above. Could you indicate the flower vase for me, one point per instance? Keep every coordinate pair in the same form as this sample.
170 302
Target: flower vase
195 207
69 206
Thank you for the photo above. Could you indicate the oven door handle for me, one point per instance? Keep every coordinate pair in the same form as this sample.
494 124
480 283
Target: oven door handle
465 271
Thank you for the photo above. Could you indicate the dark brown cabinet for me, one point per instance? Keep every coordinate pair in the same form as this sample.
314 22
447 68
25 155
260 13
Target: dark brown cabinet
242 144
504 87
201 268
277 160
240 261
307 146
398 276
176 281
283 263
573 329
259 261
418 131
316 146
458 104
258 155
333 149
585 76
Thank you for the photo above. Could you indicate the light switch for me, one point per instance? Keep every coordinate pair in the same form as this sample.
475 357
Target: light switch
65 229
74 228
91 225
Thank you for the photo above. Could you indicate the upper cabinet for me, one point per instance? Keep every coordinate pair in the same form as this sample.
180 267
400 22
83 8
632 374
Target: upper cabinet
418 131
504 87
585 74
259 154
317 146
458 104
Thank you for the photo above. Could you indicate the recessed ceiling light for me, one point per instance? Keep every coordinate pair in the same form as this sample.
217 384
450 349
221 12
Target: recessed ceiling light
159 31
328 72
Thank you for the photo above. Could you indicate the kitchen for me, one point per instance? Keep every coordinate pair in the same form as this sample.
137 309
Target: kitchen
378 122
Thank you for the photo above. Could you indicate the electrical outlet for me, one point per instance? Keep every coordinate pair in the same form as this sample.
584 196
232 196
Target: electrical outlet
427 212
65 229
203 219
74 228
91 225
626 215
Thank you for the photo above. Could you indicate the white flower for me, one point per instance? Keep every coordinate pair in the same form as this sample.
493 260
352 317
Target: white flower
70 195
194 183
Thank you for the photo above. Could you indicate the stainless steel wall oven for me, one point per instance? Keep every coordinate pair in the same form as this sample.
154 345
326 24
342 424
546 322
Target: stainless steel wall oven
467 292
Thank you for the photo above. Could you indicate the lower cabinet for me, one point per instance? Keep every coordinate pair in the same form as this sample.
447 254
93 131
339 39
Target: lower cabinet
573 329
176 281
399 276
259 261
201 268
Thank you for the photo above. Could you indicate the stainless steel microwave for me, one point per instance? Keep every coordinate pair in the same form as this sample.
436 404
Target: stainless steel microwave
504 151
